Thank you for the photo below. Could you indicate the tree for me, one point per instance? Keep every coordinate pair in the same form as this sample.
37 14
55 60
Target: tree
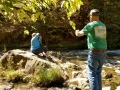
33 10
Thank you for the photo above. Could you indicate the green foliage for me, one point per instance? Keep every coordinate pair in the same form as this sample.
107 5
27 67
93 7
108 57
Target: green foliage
113 31
45 77
14 76
73 25
34 10
11 75
42 75
71 6
26 32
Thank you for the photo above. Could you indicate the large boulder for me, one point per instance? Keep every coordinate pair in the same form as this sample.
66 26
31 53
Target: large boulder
24 59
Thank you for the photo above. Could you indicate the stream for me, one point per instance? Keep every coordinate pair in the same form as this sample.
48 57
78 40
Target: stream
78 57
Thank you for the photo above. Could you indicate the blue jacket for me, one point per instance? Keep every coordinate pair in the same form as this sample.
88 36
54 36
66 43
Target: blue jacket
35 42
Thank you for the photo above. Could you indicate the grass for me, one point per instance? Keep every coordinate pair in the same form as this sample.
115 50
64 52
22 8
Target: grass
45 77
41 77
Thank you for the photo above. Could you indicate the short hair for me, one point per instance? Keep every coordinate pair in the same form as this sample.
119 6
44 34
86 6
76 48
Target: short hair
33 34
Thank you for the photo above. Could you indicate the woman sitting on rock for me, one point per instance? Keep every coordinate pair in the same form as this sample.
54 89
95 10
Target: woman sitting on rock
36 47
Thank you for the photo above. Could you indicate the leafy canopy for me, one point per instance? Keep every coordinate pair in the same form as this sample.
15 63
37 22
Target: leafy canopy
33 10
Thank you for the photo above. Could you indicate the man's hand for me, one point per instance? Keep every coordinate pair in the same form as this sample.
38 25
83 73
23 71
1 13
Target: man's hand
79 33
76 32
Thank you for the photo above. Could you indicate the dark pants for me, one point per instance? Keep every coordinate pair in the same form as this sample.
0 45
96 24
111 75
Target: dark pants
40 50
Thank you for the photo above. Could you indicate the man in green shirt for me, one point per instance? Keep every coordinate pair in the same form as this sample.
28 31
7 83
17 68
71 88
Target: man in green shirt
97 44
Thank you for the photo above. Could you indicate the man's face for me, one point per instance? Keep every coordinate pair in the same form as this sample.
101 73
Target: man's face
91 17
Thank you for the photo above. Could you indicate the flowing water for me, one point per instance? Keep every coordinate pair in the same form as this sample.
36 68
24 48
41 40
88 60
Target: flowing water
78 57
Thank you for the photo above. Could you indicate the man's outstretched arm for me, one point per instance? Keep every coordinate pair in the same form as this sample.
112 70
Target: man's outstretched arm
79 33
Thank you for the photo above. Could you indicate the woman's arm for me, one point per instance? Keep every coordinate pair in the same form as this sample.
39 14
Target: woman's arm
35 36
40 38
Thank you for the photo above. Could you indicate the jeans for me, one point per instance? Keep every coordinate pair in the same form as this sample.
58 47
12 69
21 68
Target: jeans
95 63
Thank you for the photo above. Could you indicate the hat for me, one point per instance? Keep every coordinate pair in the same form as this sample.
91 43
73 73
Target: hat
94 12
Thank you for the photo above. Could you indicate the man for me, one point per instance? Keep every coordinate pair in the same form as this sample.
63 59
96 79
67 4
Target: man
97 44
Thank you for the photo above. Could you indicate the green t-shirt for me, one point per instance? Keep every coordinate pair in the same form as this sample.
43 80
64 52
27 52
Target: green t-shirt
96 35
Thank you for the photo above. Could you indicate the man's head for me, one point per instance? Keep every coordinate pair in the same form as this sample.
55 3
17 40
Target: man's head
94 15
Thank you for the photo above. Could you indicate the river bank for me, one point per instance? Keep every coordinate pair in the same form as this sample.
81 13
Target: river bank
111 67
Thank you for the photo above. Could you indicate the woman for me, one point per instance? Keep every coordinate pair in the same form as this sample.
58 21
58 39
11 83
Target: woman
36 47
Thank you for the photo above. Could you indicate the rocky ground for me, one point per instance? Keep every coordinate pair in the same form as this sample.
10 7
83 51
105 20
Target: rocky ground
110 73
111 69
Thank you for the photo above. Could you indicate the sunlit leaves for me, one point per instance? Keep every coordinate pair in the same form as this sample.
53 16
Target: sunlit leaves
34 17
42 17
19 5
35 9
54 2
49 2
26 32
21 14
7 5
73 25
71 6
